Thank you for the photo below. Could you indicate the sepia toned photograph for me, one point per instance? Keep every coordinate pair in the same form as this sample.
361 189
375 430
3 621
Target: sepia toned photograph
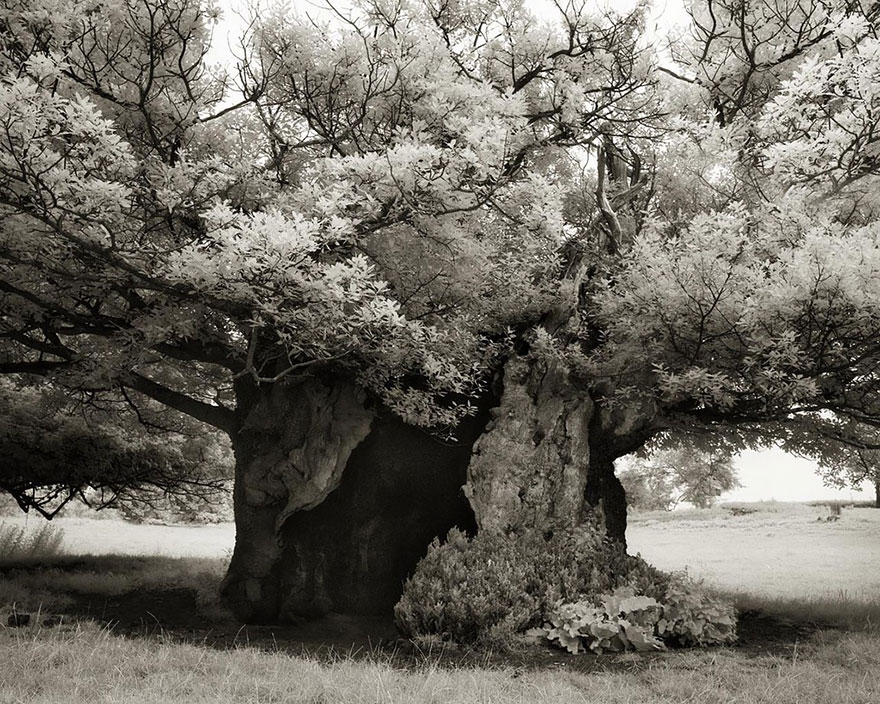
439 351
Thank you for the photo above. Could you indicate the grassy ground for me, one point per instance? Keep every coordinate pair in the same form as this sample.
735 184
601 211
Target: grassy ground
780 550
97 536
86 664
807 639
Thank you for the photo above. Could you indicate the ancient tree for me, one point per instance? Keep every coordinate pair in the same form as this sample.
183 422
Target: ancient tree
432 263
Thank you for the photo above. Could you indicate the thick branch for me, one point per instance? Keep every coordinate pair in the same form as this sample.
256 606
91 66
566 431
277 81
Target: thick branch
198 351
613 223
42 367
218 416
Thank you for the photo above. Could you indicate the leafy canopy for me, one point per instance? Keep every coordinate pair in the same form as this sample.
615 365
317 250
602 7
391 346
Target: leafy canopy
405 193
56 449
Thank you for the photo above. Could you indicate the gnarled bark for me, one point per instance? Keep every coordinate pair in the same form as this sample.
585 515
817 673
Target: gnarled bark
335 501
291 449
530 466
547 456
616 430
605 495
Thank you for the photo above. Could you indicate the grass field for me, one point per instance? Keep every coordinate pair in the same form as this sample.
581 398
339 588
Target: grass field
97 536
88 665
779 560
781 550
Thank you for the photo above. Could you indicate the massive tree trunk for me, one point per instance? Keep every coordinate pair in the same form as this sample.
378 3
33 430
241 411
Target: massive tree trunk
336 500
530 466
291 449
547 456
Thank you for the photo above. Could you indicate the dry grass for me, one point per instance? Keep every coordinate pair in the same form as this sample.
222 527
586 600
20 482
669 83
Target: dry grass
29 541
86 664
780 551
47 584
83 663
95 536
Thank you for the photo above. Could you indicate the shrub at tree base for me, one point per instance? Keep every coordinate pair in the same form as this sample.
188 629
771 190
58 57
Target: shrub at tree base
624 620
693 616
491 589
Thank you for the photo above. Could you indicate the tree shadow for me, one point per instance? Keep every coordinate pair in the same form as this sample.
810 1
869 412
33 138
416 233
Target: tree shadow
181 614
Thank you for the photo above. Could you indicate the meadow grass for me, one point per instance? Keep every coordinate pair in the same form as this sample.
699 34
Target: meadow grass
105 536
84 664
780 551
839 663
38 540
739 512
840 612
52 583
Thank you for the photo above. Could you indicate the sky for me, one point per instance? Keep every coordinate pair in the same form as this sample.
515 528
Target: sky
776 475
766 475
666 13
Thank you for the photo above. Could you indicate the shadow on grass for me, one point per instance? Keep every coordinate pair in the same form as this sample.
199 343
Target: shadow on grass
174 599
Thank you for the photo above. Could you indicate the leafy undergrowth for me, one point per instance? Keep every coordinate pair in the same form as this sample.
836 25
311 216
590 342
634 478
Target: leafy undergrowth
570 587
623 620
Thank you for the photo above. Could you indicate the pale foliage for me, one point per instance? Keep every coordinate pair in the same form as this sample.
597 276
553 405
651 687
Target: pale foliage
676 474
406 191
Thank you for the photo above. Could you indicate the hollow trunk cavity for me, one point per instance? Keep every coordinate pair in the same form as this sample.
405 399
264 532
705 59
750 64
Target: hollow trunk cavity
336 501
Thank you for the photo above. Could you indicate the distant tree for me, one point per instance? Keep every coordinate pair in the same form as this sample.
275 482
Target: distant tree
669 477
105 455
853 469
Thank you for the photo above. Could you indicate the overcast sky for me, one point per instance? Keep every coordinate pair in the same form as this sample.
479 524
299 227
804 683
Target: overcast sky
666 13
776 475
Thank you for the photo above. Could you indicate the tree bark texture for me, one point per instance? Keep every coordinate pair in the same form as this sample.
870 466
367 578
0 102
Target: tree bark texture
336 501
291 450
605 494
402 488
546 457
530 466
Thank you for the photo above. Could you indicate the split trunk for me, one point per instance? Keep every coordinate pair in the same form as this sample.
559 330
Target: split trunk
336 499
